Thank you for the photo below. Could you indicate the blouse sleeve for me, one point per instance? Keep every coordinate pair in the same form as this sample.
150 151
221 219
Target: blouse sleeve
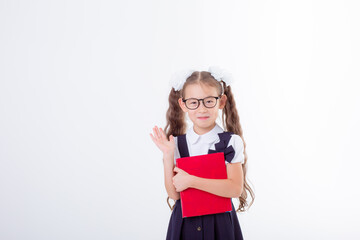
176 153
238 145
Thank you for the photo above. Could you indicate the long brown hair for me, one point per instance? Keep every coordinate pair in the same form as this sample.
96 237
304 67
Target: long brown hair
176 125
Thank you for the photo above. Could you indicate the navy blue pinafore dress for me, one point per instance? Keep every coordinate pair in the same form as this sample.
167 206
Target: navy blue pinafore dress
221 226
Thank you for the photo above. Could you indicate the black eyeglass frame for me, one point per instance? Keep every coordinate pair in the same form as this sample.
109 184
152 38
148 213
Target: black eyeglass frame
201 100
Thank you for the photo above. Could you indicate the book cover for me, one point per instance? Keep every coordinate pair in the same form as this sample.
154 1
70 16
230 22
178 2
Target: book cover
196 202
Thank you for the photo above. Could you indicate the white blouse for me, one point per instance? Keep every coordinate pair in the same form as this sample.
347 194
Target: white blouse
200 144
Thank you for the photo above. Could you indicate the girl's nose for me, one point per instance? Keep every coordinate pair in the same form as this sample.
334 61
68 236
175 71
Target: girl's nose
202 106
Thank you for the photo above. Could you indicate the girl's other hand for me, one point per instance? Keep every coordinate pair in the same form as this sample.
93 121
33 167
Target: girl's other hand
182 180
160 139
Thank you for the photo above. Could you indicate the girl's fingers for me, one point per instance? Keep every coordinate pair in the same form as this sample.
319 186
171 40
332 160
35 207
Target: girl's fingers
155 140
157 132
152 137
162 133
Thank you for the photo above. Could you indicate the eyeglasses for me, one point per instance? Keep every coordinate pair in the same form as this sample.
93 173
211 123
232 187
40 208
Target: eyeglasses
194 103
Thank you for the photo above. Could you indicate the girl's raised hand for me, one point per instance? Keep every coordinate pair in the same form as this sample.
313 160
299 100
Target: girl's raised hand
160 139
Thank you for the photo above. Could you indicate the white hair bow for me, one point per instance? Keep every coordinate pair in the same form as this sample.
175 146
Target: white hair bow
221 74
179 78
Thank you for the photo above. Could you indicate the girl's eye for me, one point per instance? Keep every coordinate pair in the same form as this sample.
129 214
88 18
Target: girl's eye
193 102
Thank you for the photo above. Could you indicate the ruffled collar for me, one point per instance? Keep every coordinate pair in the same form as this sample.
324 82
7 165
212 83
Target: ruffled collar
208 137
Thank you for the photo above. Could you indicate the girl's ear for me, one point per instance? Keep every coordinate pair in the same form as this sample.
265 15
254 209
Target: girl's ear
222 101
182 105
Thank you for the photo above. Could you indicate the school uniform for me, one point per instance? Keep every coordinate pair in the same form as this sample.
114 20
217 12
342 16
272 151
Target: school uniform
221 226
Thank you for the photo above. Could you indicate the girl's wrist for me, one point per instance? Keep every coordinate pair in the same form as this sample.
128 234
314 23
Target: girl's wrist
192 181
168 154
168 159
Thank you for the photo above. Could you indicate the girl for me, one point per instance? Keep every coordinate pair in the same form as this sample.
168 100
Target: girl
201 95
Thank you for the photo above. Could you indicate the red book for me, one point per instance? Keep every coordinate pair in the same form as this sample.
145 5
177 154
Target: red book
196 202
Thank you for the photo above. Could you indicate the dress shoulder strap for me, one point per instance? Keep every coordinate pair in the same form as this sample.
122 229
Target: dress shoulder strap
182 146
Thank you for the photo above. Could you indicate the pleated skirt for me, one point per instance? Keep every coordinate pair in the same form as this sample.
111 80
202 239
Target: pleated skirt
221 226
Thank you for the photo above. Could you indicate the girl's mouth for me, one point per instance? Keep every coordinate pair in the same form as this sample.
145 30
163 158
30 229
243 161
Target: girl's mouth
203 118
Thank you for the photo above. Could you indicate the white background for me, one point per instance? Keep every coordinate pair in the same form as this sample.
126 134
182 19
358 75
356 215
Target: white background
82 83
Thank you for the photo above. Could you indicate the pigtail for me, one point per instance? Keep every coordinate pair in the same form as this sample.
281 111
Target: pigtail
231 123
232 119
175 117
175 121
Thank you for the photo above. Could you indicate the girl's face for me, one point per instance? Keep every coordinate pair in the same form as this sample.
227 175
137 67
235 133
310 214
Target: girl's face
203 118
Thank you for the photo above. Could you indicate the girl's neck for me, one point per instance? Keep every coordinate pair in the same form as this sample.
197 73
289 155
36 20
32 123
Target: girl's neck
200 131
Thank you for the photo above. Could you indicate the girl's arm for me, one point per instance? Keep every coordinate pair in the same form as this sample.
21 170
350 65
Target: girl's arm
231 187
168 161
168 149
